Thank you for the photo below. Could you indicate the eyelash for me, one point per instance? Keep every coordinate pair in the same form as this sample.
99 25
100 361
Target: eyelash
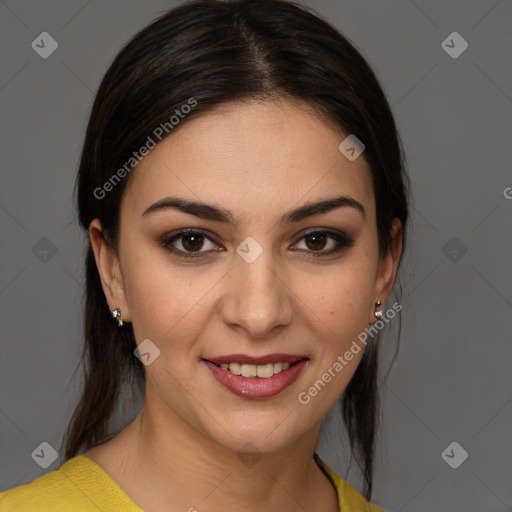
343 241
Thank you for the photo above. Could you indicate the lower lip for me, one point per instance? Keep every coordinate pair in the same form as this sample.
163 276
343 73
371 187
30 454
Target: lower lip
255 387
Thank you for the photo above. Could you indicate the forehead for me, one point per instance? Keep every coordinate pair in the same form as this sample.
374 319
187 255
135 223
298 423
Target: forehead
251 155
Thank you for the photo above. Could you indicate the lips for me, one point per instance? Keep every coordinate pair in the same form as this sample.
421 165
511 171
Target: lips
245 359
256 377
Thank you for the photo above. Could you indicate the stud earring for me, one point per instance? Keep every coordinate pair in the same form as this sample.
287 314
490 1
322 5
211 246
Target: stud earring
116 313
379 313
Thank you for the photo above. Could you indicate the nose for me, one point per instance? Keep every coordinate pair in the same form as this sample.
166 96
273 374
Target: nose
258 299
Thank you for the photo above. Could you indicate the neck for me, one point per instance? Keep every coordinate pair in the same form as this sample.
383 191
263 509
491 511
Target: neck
169 465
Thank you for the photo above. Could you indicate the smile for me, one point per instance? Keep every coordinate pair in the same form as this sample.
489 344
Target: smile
257 380
263 371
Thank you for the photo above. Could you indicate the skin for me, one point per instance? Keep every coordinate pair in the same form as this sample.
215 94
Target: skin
257 159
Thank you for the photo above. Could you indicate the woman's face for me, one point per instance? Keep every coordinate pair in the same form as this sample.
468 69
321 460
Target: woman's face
265 286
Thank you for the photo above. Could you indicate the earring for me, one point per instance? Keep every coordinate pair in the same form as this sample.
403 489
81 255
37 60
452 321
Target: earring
379 313
116 313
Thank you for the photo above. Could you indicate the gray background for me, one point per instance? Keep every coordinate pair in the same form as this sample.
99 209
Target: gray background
452 379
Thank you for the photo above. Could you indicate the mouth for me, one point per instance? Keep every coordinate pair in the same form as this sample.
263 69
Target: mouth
262 377
262 371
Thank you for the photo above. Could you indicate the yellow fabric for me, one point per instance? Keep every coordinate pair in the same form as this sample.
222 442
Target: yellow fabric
81 485
350 500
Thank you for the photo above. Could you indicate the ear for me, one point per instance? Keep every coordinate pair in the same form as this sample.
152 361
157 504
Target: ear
109 269
388 266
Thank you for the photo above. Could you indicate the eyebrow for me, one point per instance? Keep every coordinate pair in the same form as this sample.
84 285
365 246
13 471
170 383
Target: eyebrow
214 213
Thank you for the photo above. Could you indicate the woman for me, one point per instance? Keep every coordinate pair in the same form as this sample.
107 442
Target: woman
242 186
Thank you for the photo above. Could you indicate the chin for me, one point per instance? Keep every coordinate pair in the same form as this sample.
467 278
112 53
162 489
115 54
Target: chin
252 432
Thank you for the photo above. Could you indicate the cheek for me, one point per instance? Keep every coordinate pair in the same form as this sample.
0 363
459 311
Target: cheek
342 297
162 301
339 305
343 315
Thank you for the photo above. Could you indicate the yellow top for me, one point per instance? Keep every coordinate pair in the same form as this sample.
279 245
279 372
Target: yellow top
81 485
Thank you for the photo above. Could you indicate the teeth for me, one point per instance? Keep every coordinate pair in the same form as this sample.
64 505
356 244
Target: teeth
235 368
249 370
263 371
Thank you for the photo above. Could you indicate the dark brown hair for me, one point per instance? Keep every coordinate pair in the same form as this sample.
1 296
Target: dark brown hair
215 52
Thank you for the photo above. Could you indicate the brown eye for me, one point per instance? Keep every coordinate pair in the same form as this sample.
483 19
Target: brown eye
192 242
316 241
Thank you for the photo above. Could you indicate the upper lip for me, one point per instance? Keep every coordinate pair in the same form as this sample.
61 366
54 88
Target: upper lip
246 359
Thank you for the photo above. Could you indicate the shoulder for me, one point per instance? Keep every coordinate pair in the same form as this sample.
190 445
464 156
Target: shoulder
353 500
79 484
52 491
350 499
